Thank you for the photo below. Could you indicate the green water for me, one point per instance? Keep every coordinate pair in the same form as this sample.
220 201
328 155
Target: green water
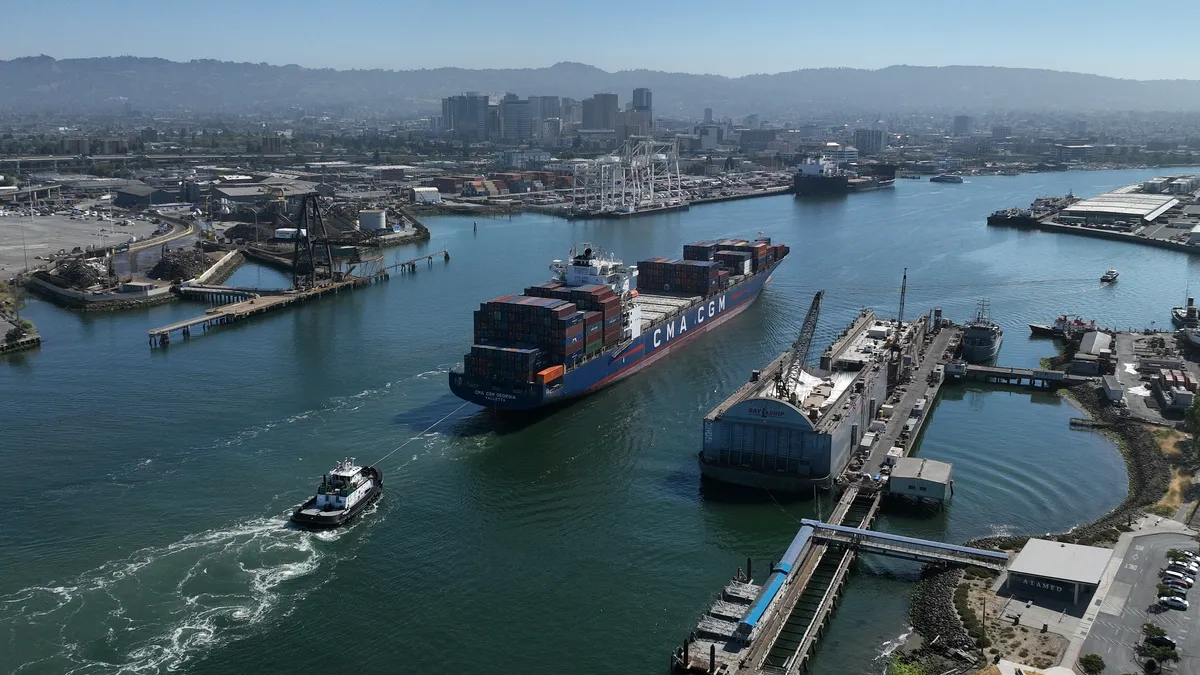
146 534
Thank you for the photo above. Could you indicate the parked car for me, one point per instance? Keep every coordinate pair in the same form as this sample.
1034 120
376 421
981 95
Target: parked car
1160 641
1189 570
1176 591
1173 602
1169 574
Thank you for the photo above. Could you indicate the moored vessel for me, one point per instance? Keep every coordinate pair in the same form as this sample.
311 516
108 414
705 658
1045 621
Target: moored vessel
945 178
589 326
822 177
1067 326
981 337
344 493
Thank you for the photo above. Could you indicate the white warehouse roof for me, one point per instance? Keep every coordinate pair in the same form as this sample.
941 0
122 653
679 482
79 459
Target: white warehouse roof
1062 562
1131 204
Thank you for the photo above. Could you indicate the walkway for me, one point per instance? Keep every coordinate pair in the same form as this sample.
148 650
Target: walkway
909 548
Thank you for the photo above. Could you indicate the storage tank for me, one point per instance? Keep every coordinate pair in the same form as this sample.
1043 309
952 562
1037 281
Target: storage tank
372 221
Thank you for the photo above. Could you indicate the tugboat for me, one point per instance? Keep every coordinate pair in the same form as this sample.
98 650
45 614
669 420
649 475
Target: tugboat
343 494
1109 276
1066 327
982 337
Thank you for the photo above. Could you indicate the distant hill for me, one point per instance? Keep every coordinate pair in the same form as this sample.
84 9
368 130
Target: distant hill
42 82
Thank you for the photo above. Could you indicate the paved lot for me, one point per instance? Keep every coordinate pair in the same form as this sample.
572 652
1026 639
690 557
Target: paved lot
48 234
1130 602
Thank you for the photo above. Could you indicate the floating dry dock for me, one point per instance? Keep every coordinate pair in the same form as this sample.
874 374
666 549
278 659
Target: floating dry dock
770 627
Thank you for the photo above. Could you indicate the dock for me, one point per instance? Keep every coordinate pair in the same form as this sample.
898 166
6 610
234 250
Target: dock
774 632
1019 377
245 303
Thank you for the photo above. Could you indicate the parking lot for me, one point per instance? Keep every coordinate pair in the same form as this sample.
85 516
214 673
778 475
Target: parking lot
21 237
1132 601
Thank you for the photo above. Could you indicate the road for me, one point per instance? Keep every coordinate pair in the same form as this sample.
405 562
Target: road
1130 603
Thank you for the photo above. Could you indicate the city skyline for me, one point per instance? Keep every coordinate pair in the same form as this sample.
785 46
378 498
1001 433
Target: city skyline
918 33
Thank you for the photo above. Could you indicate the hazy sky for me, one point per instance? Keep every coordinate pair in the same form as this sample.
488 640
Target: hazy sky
1120 39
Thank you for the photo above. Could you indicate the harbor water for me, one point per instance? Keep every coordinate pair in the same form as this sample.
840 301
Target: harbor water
149 489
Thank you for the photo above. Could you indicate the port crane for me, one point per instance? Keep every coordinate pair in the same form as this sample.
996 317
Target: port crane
798 354
312 257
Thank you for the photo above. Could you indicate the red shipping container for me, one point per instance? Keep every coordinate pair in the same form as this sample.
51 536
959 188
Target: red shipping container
577 329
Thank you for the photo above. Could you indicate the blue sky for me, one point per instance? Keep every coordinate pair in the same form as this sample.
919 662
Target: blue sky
1119 39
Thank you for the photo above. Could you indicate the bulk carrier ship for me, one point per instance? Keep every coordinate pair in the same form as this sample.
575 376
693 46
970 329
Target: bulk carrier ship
589 326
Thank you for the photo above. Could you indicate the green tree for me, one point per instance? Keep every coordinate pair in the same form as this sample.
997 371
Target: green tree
1091 664
905 668
1193 422
1150 630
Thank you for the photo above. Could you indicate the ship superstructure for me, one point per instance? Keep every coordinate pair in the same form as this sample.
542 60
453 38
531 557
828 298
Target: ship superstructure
598 320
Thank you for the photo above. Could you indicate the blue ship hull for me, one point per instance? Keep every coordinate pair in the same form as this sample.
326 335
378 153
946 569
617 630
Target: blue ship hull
616 364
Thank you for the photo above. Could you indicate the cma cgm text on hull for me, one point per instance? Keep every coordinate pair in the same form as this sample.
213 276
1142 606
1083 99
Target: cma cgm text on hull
589 326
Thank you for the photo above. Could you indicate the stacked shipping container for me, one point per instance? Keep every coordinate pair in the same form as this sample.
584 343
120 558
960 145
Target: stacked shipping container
693 277
535 337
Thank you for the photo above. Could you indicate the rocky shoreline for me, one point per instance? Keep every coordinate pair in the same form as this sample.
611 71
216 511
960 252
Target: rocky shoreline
932 610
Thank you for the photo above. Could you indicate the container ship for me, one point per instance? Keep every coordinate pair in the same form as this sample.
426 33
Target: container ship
823 177
590 326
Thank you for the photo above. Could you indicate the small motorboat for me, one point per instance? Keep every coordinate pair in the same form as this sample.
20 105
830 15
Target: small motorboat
343 494
1109 276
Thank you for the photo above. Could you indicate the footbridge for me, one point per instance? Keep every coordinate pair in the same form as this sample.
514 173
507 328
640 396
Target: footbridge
909 548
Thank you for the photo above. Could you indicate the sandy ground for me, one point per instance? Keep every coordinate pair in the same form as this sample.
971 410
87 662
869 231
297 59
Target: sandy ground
1173 444
1015 643
47 234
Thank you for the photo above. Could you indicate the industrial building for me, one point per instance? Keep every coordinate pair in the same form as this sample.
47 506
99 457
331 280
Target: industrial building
1053 569
790 431
1122 205
143 195
921 479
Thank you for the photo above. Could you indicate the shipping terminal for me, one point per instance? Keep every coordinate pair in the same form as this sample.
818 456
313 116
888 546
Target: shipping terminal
590 326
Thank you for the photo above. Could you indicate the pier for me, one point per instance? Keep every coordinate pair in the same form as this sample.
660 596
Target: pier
1019 377
771 628
244 303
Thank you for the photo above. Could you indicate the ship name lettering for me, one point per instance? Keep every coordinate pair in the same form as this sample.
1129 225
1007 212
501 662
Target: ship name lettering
670 330
712 308
700 314
657 341
721 304
682 325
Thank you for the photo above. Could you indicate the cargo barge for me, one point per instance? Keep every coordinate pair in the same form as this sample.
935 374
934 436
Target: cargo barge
823 178
791 434
590 326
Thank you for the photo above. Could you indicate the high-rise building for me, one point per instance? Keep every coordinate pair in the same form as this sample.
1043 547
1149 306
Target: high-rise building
1000 133
962 125
752 122
1077 128
600 112
572 111
643 101
869 141
708 115
465 117
632 123
545 107
516 119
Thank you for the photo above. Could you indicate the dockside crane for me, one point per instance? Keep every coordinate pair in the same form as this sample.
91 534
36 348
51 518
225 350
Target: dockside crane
798 355
312 257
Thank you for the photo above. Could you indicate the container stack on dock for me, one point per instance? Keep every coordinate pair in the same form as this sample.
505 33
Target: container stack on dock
536 337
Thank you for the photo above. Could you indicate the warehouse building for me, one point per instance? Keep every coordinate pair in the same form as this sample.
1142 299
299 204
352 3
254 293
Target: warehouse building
143 195
1120 205
921 479
1065 572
